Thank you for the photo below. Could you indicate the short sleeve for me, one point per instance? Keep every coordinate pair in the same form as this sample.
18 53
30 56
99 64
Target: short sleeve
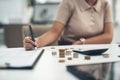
108 13
64 11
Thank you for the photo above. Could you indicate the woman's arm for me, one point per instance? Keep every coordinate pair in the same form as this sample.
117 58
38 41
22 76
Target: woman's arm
51 36
104 38
46 39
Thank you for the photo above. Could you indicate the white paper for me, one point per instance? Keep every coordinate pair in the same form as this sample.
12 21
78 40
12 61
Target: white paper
18 57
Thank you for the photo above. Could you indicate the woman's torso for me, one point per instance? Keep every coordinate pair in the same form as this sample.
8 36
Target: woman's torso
85 21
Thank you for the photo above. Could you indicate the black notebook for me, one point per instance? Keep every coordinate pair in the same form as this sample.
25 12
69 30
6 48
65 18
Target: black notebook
18 58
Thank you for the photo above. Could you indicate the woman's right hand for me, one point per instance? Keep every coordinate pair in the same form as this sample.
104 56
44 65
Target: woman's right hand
28 43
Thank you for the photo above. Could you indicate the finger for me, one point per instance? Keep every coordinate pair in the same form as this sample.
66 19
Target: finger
28 37
37 42
28 40
28 46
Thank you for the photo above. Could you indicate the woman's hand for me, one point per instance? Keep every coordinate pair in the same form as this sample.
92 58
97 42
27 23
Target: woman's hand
28 43
77 42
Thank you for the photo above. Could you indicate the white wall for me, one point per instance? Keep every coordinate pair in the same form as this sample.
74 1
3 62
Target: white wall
12 11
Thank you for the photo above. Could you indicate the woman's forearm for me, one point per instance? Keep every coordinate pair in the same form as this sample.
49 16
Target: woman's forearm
51 36
103 38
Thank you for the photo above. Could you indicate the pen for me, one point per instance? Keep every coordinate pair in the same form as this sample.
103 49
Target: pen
32 35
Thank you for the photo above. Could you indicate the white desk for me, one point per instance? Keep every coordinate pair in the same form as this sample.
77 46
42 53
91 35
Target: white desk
48 67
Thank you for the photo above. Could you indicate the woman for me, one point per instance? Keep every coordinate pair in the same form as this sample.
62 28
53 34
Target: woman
90 20
78 22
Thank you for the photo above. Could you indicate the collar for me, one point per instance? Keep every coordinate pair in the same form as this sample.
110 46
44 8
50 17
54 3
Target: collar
98 5
85 6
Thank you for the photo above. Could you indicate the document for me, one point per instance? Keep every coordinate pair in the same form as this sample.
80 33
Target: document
18 58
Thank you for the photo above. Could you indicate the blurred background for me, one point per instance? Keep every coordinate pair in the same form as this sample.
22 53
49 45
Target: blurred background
16 14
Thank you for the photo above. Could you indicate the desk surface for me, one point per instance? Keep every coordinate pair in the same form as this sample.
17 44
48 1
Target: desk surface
48 67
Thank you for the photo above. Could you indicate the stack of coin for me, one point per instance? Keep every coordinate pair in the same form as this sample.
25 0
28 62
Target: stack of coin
61 61
71 48
52 48
75 55
68 52
54 53
105 55
87 58
61 53
69 58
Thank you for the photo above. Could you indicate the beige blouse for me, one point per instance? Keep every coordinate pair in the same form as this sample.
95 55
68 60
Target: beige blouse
82 20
